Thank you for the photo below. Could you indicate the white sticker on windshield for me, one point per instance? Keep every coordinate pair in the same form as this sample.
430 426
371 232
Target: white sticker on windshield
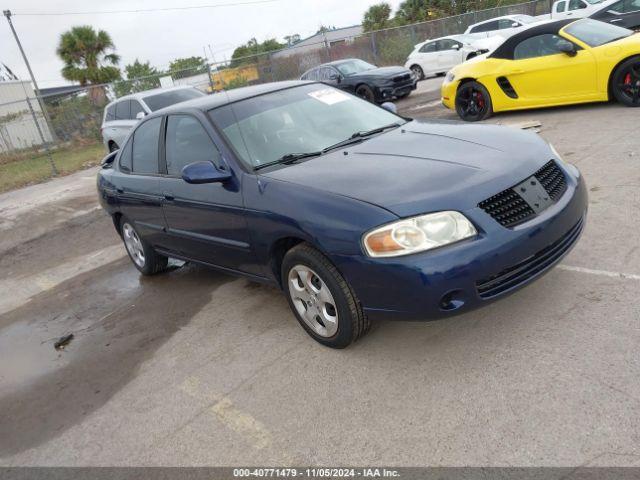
329 96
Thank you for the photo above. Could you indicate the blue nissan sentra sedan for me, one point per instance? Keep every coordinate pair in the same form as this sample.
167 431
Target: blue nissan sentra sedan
356 213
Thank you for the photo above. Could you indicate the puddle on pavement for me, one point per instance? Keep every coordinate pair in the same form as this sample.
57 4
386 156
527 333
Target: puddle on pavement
118 319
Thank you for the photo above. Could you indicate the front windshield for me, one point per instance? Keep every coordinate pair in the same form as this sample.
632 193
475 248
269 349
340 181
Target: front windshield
595 33
171 97
351 67
302 119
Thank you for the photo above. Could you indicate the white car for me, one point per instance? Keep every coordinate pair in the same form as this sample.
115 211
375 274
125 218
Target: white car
576 8
438 56
121 115
501 26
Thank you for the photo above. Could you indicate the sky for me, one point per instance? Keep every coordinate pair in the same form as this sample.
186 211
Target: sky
159 37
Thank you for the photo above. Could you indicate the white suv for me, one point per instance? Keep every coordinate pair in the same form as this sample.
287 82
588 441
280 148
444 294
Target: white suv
502 26
121 115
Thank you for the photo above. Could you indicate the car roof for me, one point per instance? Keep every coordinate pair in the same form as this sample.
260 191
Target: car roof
505 50
152 91
514 17
225 97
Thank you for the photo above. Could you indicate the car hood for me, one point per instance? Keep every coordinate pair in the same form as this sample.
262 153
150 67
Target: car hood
381 72
425 166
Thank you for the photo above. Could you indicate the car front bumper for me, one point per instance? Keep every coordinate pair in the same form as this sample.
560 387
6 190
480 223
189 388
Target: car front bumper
472 273
386 93
448 94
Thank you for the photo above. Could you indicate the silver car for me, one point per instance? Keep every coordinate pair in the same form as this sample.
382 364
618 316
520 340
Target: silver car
121 115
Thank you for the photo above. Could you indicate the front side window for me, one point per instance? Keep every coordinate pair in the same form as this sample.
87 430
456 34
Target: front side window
595 33
145 147
352 67
538 46
448 44
187 142
507 23
303 119
576 4
135 109
486 27
560 7
123 110
171 97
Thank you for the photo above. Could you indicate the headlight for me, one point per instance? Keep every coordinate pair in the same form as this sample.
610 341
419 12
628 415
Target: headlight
450 77
418 234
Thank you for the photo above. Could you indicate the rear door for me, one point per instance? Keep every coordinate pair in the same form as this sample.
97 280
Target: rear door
137 185
541 73
427 58
205 222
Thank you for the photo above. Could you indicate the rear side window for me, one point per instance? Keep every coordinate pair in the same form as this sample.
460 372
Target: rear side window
161 100
125 157
187 142
145 147
123 110
111 113
429 47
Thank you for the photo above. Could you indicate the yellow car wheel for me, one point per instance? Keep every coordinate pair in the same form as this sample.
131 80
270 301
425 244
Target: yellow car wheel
626 82
473 102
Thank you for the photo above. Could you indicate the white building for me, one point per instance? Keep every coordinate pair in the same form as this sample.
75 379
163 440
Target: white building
17 128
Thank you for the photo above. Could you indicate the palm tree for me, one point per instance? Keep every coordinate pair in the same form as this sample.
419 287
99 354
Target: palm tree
89 59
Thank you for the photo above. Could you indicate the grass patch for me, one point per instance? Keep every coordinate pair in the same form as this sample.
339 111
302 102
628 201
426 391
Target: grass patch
37 169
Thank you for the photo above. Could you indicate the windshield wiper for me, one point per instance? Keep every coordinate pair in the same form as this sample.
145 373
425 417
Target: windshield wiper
288 159
368 133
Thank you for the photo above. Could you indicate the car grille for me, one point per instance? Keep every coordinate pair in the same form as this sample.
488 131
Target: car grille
509 209
402 78
515 275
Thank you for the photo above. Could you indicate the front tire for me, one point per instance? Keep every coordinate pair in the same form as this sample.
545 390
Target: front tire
321 299
365 92
418 72
143 256
473 102
626 83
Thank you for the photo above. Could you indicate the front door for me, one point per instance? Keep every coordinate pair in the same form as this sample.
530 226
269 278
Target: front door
205 222
541 73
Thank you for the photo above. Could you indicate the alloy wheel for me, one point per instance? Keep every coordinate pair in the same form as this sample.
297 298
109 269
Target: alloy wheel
313 300
630 86
471 102
133 244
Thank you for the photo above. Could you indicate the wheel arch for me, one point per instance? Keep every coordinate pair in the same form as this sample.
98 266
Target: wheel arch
117 220
613 71
278 250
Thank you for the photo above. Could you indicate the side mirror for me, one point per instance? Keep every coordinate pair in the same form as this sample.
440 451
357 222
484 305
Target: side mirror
456 47
390 107
140 115
567 47
203 172
334 77
515 25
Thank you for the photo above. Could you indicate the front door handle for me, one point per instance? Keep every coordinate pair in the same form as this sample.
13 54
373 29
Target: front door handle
120 190
615 20
168 196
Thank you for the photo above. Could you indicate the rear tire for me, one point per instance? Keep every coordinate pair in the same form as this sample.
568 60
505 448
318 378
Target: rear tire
473 102
142 255
625 82
321 299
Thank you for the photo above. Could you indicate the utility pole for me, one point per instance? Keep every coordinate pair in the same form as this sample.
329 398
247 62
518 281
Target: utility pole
7 13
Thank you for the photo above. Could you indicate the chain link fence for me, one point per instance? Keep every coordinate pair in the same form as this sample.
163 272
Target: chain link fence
59 130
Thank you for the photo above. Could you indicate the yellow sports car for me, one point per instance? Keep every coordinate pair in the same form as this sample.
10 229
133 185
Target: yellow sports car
549 64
